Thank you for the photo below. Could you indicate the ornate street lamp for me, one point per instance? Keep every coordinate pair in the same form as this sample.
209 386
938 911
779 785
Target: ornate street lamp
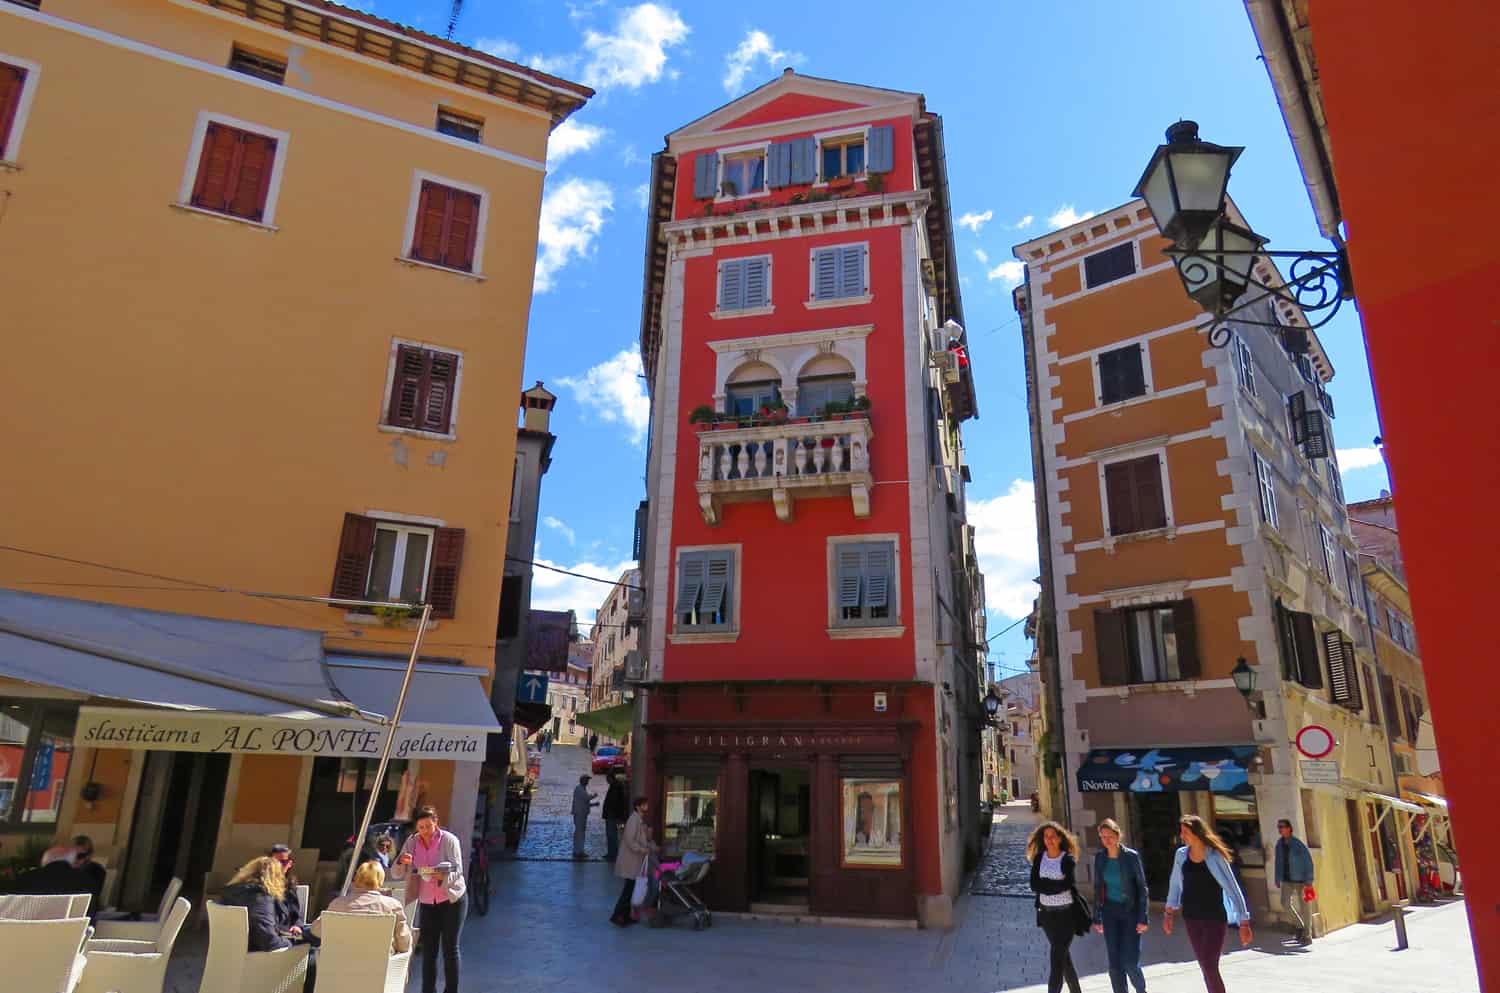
992 703
1185 183
1244 679
1216 271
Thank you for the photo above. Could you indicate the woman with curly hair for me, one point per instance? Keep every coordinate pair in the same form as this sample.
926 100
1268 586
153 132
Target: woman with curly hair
1052 852
259 887
1203 888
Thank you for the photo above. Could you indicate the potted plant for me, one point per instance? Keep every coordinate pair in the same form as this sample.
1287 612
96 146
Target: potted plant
774 412
875 182
702 414
835 410
859 405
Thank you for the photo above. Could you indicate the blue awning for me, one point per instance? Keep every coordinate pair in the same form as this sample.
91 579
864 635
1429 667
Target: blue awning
1168 769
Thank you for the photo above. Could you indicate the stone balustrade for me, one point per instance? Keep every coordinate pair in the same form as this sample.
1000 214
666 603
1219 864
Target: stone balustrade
827 458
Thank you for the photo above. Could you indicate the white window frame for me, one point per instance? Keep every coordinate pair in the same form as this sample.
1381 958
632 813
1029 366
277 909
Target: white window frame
1326 539
694 636
765 308
418 177
195 157
1265 482
1160 451
390 382
1245 362
1083 272
865 296
398 557
841 630
10 153
1145 347
739 151
841 136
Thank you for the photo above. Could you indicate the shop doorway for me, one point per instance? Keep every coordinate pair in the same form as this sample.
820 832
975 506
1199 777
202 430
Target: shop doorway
780 842
1155 827
176 826
1361 860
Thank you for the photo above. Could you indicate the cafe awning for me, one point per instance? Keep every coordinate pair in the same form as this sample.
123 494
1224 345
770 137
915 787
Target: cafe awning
1428 799
1398 804
1168 769
616 721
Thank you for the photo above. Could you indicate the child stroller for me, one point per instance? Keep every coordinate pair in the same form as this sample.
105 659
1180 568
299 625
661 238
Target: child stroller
675 894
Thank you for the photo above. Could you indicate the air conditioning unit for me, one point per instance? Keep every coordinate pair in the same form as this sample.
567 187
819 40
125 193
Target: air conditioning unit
635 667
946 362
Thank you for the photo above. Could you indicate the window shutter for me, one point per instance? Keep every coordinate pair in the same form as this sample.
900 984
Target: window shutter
1120 491
447 557
879 564
1315 435
706 175
779 165
437 405
1133 371
638 546
1286 640
1356 697
1185 627
804 160
406 387
427 238
825 274
1339 674
756 273
1308 672
215 168
881 156
1388 704
732 284
1110 640
1296 413
461 230
252 181
851 565
716 584
851 261
1247 365
352 566
12 81
1150 507
689 582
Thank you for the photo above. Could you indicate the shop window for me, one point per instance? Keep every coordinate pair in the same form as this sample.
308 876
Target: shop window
690 814
871 822
36 752
1154 644
1238 823
336 799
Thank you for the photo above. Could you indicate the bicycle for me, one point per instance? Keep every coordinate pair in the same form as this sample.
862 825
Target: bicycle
480 885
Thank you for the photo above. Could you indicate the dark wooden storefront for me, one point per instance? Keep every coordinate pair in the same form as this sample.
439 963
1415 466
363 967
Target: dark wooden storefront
865 760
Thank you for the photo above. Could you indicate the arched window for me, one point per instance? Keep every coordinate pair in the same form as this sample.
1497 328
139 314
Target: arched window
752 386
825 379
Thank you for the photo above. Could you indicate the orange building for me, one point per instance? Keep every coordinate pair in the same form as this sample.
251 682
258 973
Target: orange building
1391 110
1192 523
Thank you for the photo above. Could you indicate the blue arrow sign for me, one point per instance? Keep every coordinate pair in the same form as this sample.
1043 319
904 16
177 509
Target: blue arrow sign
531 688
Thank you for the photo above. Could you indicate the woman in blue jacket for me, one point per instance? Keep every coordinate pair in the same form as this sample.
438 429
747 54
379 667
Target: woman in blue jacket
1204 889
1120 905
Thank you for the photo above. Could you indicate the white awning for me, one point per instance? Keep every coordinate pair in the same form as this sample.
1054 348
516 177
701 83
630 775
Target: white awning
1410 808
1429 799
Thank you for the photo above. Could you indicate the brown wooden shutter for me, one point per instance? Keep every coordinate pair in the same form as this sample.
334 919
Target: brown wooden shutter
1114 653
252 181
1388 704
1285 640
447 557
352 567
437 399
1120 489
427 238
12 81
1309 673
216 167
1339 672
1185 624
407 384
1356 695
1150 507
461 230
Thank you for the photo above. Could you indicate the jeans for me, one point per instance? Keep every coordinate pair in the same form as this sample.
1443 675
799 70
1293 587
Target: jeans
579 824
441 924
612 838
1292 904
1207 939
1058 926
1123 946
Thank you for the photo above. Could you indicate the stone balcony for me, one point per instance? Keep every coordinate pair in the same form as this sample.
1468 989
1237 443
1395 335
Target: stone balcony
782 461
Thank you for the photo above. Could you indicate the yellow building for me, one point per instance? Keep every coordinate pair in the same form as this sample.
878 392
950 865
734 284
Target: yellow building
270 267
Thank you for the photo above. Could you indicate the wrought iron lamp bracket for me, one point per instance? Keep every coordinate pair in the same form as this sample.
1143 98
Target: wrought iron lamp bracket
1318 283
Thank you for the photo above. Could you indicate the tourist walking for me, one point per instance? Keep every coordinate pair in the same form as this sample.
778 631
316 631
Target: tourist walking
1204 890
1294 876
438 887
1120 906
636 848
582 801
1052 852
616 809
593 743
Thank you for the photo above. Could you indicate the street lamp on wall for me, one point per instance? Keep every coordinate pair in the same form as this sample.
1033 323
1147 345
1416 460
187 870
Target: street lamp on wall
992 703
1185 187
1244 679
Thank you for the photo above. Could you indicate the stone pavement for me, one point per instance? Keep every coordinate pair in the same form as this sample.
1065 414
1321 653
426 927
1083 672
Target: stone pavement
549 834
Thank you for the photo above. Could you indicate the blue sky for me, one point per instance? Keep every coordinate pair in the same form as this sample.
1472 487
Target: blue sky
1050 112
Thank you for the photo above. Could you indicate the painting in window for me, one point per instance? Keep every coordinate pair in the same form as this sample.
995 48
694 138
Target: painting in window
690 814
872 822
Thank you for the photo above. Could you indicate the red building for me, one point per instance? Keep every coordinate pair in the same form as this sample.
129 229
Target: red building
814 656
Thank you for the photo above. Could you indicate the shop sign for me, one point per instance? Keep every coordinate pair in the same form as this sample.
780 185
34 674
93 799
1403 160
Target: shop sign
777 740
245 734
1168 769
1320 772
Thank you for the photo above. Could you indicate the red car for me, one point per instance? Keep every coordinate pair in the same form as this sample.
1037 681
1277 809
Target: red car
608 758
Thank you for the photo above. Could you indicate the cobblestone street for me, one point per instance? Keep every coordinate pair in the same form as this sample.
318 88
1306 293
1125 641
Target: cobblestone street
549 835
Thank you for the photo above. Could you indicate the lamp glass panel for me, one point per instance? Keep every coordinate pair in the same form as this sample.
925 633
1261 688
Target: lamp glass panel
1157 189
1201 176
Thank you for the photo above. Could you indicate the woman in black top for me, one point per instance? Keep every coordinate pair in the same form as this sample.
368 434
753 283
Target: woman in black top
1051 851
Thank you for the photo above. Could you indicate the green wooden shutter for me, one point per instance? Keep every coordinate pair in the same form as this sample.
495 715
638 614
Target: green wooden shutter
779 165
716 586
825 274
690 569
732 284
804 160
706 175
879 565
881 154
851 566
757 281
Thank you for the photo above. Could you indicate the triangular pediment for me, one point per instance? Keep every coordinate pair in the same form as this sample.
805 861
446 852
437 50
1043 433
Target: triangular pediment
791 97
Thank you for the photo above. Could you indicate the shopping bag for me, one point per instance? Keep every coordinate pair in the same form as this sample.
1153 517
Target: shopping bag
642 886
1309 894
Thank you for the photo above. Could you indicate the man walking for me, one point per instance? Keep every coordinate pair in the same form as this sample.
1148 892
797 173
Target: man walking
616 810
1294 873
593 743
582 801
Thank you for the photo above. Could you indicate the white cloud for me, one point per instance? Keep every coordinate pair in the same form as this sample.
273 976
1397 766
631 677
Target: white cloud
974 221
630 156
499 47
982 256
1024 222
554 591
1009 273
1068 214
561 529
615 392
757 46
1354 459
636 53
1005 539
573 214
643 194
553 65
572 136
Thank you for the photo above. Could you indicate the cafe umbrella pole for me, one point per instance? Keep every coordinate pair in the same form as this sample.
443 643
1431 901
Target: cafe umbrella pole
385 753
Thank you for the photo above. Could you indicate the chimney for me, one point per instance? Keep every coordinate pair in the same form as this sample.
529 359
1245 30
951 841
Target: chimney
536 409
